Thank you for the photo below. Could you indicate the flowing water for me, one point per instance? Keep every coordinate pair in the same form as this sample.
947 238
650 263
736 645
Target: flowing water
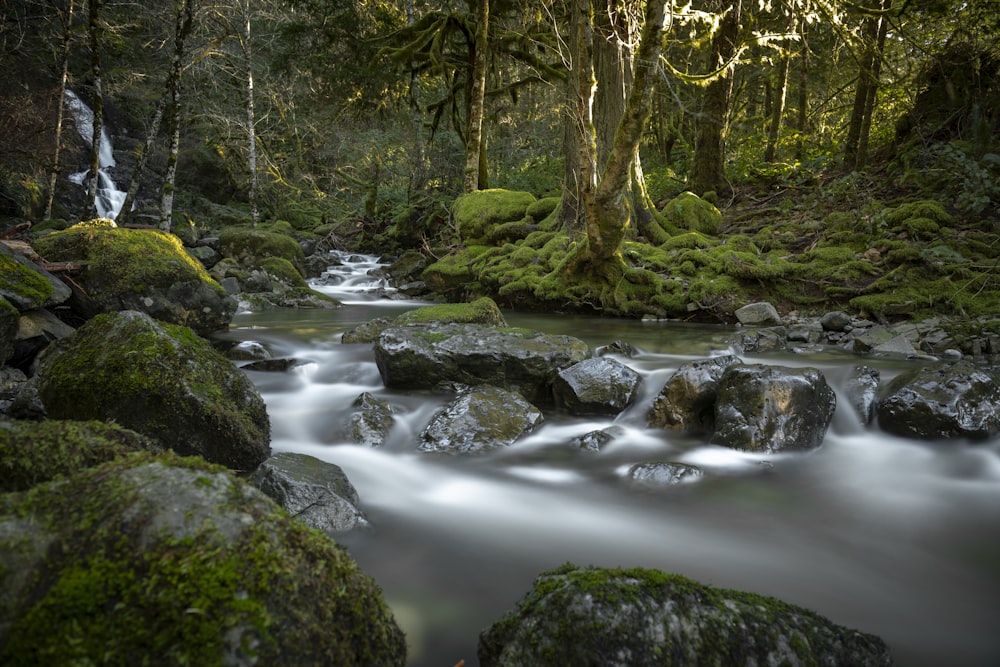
109 198
889 536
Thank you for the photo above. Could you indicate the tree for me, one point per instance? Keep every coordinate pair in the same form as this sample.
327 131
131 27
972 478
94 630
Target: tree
859 128
475 178
66 42
97 106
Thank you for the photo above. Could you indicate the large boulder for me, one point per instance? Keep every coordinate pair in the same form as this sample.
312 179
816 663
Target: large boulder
26 285
252 247
317 492
35 452
481 311
955 400
688 211
370 422
687 401
161 380
480 419
646 618
138 269
598 386
175 562
763 408
421 357
477 213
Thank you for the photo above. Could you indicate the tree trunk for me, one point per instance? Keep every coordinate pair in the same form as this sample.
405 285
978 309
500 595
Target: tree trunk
474 153
803 102
67 38
780 95
94 31
708 169
251 117
865 95
185 20
143 158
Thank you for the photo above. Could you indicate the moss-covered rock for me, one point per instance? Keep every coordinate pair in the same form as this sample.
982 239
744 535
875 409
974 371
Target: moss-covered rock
250 247
689 211
36 452
138 269
25 285
161 380
645 618
476 213
8 329
172 561
481 311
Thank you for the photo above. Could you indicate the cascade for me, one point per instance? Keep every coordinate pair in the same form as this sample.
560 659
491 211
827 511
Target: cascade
109 197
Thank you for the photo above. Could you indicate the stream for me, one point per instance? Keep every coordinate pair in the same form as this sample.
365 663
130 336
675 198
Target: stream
893 537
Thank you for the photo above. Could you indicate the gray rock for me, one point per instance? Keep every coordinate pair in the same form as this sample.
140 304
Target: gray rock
760 314
687 401
861 388
897 346
421 357
952 400
601 386
648 618
772 339
868 340
160 380
772 408
595 441
28 286
835 321
367 332
480 419
35 330
317 492
207 255
370 423
662 474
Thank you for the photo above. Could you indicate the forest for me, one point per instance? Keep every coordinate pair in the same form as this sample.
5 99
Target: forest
679 158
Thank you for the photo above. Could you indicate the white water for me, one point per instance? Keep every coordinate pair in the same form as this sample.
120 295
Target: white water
892 537
109 197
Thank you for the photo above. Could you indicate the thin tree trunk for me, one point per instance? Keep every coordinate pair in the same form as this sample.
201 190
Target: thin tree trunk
67 37
803 102
251 118
94 30
780 95
708 170
865 94
185 19
474 153
143 159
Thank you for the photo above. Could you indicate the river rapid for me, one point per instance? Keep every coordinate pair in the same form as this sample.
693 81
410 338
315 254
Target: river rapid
893 537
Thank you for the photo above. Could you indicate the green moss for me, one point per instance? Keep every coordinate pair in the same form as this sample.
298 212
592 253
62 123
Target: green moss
543 208
480 311
689 211
252 246
928 209
36 452
283 270
476 213
23 283
125 260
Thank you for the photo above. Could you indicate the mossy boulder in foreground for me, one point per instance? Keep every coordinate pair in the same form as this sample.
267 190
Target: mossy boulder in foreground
137 269
174 562
645 618
161 380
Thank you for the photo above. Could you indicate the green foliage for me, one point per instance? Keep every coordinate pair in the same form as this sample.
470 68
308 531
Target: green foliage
951 169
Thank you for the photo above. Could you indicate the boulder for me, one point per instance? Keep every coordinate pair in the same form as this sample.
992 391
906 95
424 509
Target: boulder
312 490
252 247
26 285
477 213
139 269
835 321
952 400
599 386
687 401
688 211
595 441
772 408
480 419
35 452
421 357
659 474
481 311
176 562
35 330
161 380
371 421
861 388
367 332
760 314
644 618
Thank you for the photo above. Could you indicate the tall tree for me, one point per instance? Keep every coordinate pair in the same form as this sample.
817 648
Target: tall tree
97 105
474 144
66 42
708 166
780 94
859 128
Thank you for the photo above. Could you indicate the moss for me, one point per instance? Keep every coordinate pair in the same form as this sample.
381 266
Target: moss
36 452
481 311
283 270
927 209
543 208
231 579
689 211
125 260
252 246
476 213
22 283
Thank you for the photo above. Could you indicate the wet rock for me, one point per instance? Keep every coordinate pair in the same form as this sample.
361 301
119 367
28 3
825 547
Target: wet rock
481 311
317 492
662 474
367 332
421 357
173 561
762 340
760 314
621 347
642 617
861 388
280 365
408 267
601 386
866 341
595 441
480 419
772 408
248 350
687 401
835 321
161 380
370 423
897 346
952 400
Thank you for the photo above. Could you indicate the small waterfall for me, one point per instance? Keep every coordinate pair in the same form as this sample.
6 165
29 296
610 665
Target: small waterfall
109 197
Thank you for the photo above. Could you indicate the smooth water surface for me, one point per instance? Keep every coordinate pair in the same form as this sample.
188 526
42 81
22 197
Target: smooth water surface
889 536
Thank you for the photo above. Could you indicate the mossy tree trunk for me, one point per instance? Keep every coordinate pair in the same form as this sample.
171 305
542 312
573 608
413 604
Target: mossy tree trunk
94 32
183 26
708 169
475 162
865 94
